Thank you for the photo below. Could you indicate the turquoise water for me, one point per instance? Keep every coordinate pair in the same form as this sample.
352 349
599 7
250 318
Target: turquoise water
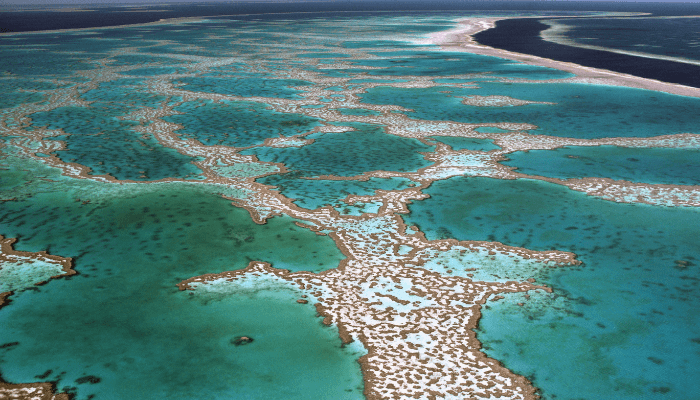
315 193
99 140
35 63
490 129
280 88
368 148
135 59
622 326
654 165
440 63
581 111
123 320
237 124
13 99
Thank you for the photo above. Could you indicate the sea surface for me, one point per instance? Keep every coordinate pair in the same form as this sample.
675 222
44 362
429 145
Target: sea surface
662 42
314 108
675 38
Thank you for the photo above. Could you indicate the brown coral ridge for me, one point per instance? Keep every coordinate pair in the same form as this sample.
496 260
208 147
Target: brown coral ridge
7 252
3 298
422 346
447 162
30 391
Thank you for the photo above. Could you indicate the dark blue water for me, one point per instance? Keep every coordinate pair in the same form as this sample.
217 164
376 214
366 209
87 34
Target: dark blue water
669 37
523 36
36 18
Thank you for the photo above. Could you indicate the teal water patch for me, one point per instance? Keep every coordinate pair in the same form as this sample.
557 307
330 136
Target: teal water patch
312 193
368 148
581 110
139 59
594 111
370 44
490 129
156 71
461 143
247 87
121 329
646 165
40 61
107 145
17 84
19 182
122 92
625 327
442 63
237 124
62 45
422 101
11 99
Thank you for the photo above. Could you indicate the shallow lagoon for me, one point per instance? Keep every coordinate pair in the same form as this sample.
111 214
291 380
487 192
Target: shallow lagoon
123 320
315 193
652 165
581 110
442 63
96 138
367 148
236 124
622 326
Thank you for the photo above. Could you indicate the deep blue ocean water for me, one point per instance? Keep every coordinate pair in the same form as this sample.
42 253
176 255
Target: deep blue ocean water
661 44
656 36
